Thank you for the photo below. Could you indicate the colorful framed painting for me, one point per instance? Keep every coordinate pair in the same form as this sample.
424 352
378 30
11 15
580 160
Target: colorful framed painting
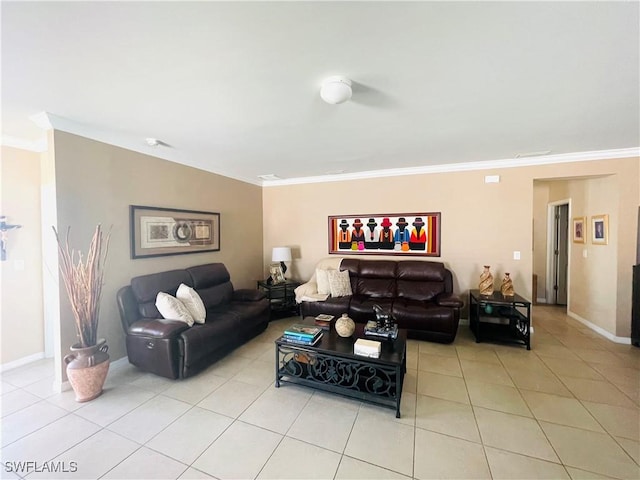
579 229
385 234
600 229
156 232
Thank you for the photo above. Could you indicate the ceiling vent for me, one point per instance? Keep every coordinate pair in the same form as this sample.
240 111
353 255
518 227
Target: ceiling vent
269 176
533 154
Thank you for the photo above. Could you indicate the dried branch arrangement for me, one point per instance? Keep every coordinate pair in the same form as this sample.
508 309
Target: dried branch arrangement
83 281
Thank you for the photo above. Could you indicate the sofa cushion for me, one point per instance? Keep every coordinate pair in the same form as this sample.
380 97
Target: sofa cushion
331 306
190 298
339 283
173 309
411 314
212 282
203 339
377 269
373 278
421 281
217 296
421 271
376 287
208 275
145 288
322 279
361 308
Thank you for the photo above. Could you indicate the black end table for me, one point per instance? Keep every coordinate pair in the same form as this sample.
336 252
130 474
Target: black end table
501 318
281 296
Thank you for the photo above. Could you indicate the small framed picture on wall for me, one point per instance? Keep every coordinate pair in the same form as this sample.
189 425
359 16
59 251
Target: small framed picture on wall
600 229
579 229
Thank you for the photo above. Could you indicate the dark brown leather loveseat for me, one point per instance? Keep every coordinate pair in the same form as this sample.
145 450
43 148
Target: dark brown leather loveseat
419 294
173 349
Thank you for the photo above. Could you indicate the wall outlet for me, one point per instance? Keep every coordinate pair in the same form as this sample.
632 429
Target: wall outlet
516 255
584 253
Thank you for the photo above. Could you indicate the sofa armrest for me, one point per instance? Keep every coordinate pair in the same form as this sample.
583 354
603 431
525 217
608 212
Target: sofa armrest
449 300
247 295
157 328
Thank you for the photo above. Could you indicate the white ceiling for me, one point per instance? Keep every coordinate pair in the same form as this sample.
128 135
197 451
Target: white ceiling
233 87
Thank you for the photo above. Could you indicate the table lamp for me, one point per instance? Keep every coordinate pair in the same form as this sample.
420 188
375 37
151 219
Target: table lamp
281 254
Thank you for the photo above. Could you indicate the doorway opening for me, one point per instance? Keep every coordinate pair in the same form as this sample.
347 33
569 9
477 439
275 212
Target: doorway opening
558 253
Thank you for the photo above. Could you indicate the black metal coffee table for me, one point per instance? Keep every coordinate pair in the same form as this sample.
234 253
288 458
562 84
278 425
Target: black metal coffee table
332 366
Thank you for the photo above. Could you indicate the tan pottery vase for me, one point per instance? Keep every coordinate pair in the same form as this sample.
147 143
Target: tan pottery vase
507 286
345 326
486 282
87 369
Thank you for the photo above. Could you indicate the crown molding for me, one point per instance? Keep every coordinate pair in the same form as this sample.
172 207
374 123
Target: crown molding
48 121
38 146
463 167
129 142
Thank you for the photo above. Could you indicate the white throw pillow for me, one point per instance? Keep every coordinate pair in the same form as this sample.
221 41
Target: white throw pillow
173 309
190 298
322 279
339 283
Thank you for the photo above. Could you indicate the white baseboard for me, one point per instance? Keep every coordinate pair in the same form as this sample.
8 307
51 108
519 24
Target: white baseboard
21 361
600 330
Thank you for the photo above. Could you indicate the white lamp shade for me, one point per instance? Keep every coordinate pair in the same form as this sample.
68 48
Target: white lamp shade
336 90
281 254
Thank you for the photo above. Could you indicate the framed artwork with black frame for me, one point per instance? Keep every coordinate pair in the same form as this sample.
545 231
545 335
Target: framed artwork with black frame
385 234
157 231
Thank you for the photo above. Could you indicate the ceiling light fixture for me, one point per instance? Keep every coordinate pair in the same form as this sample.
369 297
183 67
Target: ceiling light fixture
336 90
152 142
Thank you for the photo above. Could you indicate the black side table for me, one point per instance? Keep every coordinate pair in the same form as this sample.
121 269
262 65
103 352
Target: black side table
281 297
501 318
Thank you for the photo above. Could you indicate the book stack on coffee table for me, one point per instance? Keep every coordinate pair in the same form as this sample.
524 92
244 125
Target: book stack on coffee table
302 334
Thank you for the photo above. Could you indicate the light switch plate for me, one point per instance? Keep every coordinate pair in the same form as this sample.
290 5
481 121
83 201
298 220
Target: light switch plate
516 255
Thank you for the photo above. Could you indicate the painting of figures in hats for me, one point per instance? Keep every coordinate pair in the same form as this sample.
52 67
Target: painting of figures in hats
386 234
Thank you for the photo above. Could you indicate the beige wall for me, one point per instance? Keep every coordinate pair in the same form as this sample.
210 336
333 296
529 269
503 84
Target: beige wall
481 223
96 183
22 328
476 229
540 201
592 279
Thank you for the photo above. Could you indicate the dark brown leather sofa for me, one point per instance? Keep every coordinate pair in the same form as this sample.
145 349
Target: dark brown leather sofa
173 349
419 294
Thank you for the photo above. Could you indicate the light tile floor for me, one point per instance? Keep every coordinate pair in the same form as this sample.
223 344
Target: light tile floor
569 408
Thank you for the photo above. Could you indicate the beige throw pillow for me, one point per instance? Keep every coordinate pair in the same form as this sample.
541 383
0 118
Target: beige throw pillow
339 283
190 298
322 279
173 309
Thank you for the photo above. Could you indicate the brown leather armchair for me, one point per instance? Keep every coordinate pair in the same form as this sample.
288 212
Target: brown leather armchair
173 349
419 294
